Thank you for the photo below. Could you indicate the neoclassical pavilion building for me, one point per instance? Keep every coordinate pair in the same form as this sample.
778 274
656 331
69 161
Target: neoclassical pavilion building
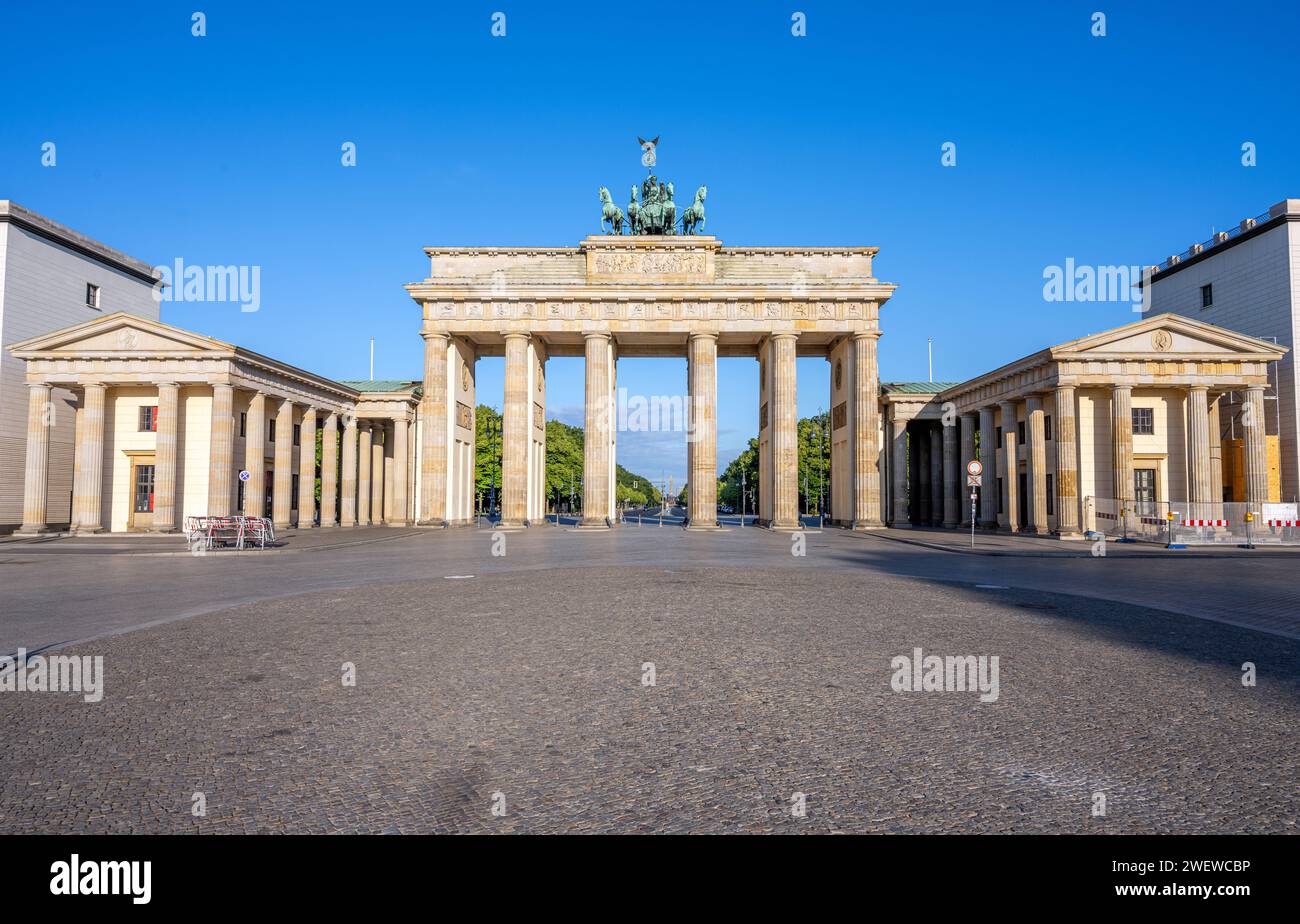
1129 415
170 424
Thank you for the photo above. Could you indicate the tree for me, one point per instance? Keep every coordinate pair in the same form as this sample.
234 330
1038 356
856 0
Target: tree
729 490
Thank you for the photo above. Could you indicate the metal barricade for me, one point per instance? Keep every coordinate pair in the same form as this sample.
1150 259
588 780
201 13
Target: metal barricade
238 532
1182 523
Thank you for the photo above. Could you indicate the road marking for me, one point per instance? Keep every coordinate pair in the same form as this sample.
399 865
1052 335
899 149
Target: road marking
991 587
456 577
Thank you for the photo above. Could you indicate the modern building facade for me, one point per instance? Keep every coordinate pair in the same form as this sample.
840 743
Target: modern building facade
1247 279
52 277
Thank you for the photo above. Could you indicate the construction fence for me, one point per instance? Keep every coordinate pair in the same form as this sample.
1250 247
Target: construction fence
1185 523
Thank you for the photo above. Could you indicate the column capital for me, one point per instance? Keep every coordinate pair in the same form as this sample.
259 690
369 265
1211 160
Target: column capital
435 335
1204 388
866 335
594 335
702 335
784 335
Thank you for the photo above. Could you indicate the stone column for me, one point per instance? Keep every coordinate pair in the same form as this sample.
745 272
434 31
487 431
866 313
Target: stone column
936 475
1198 449
1121 440
40 414
363 474
329 471
1035 433
968 425
307 469
785 434
88 466
702 440
400 452
255 456
221 451
377 475
1256 455
1011 477
988 457
866 431
596 485
348 492
922 510
282 486
433 435
898 474
1067 464
951 497
516 425
164 474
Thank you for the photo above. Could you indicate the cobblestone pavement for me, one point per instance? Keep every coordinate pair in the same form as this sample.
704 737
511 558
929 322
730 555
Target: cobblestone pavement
771 679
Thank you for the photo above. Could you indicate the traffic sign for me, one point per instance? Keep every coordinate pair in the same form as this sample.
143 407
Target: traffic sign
974 481
975 467
245 475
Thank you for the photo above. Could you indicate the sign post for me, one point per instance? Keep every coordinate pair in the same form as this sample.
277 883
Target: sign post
974 481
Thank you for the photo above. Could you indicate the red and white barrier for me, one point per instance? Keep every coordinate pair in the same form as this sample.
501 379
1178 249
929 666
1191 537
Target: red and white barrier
1204 522
1283 522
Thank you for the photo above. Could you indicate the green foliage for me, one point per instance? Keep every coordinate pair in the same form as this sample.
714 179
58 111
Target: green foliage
563 462
730 483
635 490
814 460
487 452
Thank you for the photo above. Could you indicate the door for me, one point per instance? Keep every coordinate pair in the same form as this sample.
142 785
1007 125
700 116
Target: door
142 484
1144 491
1022 500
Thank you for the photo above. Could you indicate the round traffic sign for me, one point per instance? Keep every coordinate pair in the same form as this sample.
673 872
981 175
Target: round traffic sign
245 475
974 467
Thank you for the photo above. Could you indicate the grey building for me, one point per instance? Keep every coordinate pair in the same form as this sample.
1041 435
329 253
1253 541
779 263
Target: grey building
51 277
1247 279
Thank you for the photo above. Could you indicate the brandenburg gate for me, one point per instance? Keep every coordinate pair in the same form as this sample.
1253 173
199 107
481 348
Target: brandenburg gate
646 294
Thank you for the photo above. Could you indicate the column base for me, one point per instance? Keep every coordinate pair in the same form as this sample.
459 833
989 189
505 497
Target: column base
904 524
703 527
33 529
398 523
165 530
989 526
1070 536
280 526
862 525
433 522
782 526
329 525
85 530
595 523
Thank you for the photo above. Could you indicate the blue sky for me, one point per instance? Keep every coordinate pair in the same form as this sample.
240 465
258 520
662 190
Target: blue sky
225 149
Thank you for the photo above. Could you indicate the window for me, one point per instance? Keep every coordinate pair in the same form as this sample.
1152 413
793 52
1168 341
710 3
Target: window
271 428
149 419
1144 421
1020 432
297 438
239 499
1144 491
1051 496
1207 295
243 428
143 492
92 296
1000 495
293 494
1047 427
999 429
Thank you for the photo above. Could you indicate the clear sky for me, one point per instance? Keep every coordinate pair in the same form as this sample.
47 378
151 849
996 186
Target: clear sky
225 149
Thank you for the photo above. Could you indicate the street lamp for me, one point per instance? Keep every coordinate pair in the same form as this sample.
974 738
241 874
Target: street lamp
493 432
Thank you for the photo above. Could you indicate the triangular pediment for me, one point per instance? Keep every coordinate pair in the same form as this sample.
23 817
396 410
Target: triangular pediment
1169 336
120 334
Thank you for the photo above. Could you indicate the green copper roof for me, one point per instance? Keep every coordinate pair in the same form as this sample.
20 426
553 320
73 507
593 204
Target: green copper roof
917 388
365 385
